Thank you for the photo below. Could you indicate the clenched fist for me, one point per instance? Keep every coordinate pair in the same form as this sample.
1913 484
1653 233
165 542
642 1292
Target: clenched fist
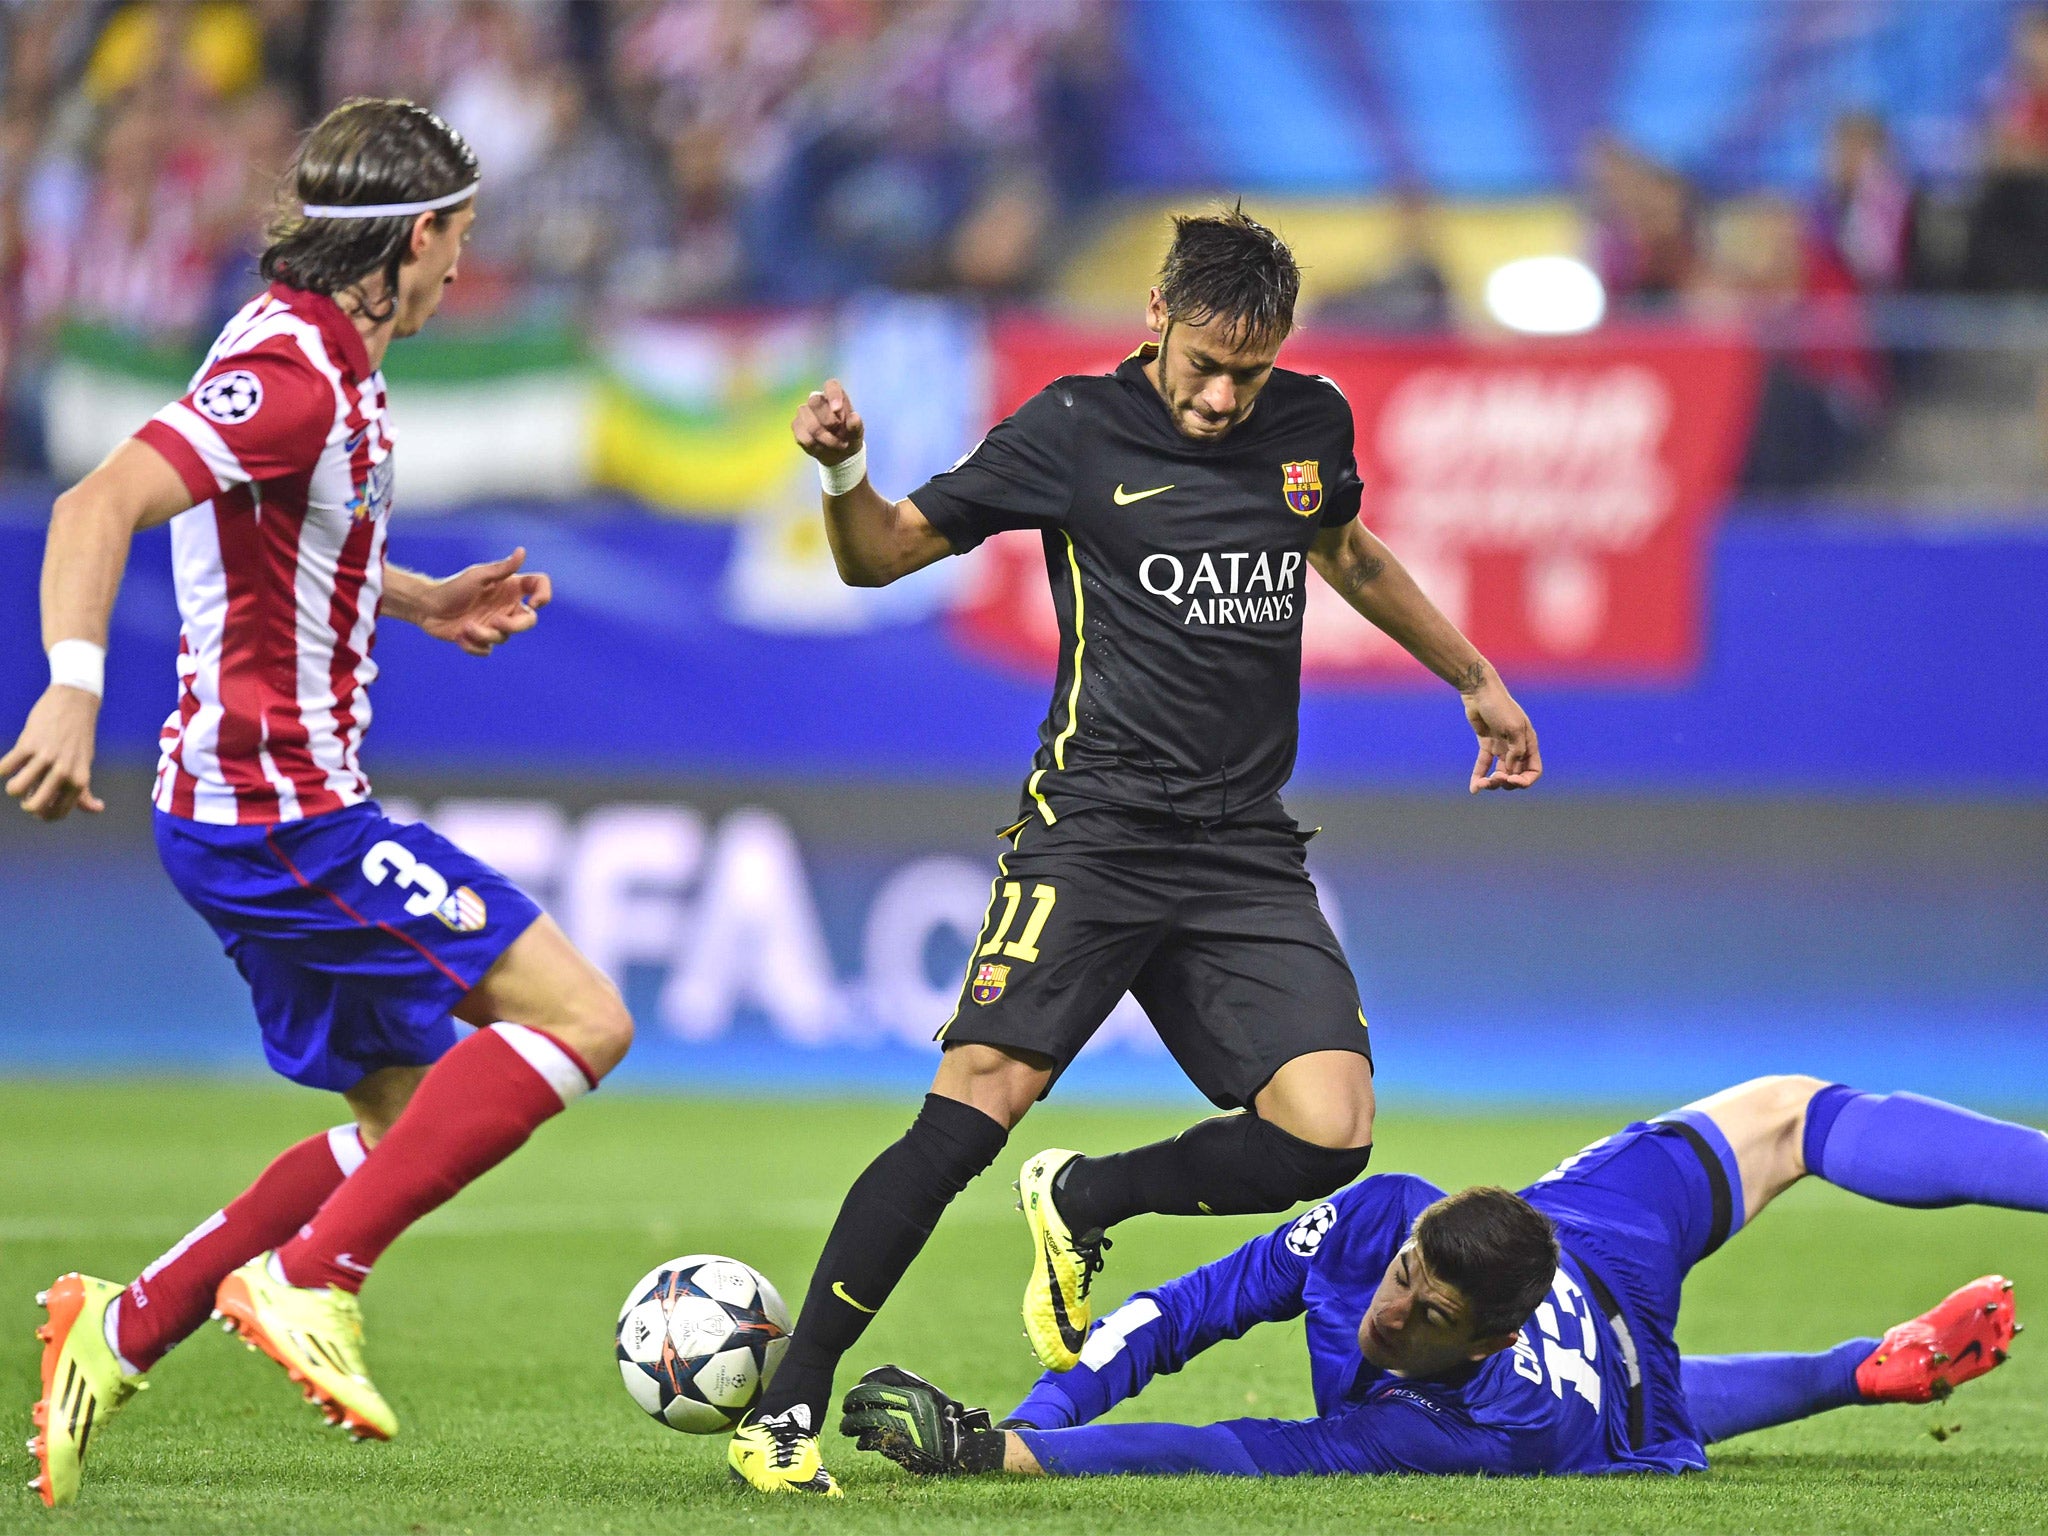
827 427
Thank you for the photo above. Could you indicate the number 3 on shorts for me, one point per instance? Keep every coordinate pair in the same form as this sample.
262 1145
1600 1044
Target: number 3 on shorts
426 881
1025 945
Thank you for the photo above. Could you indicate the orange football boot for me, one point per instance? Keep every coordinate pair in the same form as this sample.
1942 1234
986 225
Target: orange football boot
83 1384
1924 1360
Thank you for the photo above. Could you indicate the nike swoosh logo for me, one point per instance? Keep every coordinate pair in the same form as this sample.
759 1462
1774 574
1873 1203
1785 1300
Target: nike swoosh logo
1969 1351
1069 1336
1124 498
348 1263
840 1291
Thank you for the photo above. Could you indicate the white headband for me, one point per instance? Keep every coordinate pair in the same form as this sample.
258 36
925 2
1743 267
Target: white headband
387 210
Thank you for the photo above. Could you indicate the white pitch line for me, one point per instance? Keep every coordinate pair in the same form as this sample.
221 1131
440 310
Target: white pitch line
514 1222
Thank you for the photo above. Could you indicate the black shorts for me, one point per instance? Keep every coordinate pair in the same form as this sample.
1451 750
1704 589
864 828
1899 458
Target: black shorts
1214 930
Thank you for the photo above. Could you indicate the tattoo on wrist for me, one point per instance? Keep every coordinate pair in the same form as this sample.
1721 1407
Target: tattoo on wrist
1470 678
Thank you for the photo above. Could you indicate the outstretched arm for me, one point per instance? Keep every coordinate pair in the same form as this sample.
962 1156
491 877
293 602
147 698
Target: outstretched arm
874 540
1157 1332
1366 575
1388 1434
49 769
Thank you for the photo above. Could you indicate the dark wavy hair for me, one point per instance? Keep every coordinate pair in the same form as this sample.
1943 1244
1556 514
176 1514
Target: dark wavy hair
1496 1248
1227 265
367 150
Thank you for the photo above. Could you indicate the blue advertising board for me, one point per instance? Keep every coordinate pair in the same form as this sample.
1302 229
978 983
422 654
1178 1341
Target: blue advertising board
772 938
1841 657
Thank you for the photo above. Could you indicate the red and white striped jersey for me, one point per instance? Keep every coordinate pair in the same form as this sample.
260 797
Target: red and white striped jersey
284 442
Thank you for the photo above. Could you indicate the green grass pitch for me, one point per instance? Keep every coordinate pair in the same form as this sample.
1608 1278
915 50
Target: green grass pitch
490 1330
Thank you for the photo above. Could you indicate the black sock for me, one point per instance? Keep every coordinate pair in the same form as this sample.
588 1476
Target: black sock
882 1225
1228 1165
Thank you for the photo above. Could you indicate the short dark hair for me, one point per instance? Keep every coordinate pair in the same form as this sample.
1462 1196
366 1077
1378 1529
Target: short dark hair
368 150
1227 265
1497 1249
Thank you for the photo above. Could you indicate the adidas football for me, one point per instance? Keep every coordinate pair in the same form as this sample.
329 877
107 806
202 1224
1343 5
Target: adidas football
698 1339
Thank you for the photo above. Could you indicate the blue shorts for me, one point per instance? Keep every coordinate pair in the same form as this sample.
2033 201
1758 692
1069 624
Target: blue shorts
1640 1208
358 935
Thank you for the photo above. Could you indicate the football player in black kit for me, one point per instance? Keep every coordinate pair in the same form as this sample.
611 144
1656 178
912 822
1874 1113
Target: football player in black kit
1181 499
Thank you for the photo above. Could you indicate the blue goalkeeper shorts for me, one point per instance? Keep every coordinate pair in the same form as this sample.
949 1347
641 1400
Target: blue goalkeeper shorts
357 935
1640 1208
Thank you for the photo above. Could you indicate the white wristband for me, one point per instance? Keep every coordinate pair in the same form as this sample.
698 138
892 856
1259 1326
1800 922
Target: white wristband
842 477
79 664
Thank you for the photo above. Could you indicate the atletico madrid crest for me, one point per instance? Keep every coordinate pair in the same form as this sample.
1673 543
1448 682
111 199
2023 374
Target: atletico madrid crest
463 910
1304 489
989 981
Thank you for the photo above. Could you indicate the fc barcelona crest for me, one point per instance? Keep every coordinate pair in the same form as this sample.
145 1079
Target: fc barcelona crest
1304 489
989 981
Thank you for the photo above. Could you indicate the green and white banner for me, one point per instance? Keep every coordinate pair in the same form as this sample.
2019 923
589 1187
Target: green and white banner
503 413
690 416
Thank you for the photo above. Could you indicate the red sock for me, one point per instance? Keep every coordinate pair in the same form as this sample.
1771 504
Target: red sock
174 1295
478 1105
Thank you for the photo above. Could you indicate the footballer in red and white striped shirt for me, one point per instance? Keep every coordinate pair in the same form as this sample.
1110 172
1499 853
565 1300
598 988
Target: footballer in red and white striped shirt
364 941
285 443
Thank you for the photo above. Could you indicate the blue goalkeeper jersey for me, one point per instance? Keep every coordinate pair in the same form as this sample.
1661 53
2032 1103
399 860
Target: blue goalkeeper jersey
1557 1402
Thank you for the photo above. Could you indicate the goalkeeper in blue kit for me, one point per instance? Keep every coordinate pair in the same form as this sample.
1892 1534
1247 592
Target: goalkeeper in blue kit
1516 1334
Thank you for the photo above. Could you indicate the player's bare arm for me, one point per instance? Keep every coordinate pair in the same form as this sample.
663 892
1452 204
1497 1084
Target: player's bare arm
49 768
874 540
478 608
1366 575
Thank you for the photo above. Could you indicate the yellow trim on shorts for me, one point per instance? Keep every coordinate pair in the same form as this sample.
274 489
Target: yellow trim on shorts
987 917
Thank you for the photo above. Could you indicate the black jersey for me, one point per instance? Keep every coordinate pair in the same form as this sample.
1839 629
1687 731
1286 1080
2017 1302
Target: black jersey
1179 573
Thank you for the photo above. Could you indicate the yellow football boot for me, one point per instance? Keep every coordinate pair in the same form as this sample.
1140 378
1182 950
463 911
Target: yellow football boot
780 1455
83 1383
317 1336
1056 1307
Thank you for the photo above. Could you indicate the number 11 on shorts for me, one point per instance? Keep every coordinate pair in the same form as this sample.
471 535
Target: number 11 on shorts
1025 945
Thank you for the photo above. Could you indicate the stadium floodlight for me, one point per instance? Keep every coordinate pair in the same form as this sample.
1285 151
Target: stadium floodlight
1546 296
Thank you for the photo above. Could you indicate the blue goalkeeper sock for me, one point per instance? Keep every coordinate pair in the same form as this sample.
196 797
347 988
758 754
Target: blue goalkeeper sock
1731 1395
1906 1150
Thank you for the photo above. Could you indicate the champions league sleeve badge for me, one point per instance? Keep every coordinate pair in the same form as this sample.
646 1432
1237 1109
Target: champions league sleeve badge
1304 489
1307 1234
229 398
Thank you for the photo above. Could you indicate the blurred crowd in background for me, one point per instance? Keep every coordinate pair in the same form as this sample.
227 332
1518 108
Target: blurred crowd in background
644 155
651 153
698 155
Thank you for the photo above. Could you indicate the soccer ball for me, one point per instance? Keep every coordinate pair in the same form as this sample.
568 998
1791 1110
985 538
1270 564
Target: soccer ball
698 1339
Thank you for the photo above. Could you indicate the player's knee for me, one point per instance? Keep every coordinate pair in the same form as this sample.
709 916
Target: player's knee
1001 1083
598 1026
1778 1102
1290 1170
1343 1125
1781 1103
379 1099
1764 1119
1325 1099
